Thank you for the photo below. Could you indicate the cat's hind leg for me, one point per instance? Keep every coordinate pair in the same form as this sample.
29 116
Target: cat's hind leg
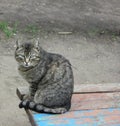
59 110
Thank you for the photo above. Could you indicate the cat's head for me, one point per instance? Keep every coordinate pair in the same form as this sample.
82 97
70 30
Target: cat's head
27 54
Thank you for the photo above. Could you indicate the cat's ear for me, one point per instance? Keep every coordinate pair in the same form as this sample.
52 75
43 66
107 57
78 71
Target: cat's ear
17 44
36 44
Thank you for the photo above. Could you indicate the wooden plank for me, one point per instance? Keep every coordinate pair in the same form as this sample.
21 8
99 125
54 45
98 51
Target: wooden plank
20 93
31 118
89 101
85 116
101 117
97 88
95 101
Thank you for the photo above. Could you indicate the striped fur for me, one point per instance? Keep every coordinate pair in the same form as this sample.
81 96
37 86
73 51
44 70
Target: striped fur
50 79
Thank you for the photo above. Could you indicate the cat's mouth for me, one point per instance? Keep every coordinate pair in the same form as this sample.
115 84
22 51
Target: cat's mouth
25 67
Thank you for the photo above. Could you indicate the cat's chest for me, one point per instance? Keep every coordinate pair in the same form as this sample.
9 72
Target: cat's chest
33 75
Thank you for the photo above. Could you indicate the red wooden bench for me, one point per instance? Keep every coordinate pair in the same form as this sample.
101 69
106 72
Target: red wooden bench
92 105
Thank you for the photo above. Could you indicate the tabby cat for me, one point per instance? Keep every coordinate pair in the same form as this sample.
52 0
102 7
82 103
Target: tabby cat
50 78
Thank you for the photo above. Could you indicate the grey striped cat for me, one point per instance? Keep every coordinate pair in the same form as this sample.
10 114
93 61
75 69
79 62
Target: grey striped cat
50 78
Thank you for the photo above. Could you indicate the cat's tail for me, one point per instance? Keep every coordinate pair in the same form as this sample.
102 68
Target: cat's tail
41 108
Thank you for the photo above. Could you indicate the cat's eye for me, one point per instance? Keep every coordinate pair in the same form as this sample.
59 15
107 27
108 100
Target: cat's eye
34 57
20 57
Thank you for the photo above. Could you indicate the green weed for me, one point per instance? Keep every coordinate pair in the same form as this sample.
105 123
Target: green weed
8 31
31 29
14 30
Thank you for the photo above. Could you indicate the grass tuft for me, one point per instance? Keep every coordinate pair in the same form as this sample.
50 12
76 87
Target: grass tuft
9 32
32 29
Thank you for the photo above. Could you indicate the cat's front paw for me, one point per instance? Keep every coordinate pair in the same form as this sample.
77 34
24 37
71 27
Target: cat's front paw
62 110
27 97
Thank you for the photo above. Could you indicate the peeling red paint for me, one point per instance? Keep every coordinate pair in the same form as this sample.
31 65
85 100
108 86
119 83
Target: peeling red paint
95 101
86 110
113 118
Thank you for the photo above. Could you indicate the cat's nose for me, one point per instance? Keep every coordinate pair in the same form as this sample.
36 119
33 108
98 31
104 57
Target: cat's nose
27 63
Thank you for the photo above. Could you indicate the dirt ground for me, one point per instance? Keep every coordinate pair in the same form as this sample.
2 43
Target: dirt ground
92 46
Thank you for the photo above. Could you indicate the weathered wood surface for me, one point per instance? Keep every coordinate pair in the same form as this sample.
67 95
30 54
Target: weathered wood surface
88 101
86 110
95 101
102 117
97 88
